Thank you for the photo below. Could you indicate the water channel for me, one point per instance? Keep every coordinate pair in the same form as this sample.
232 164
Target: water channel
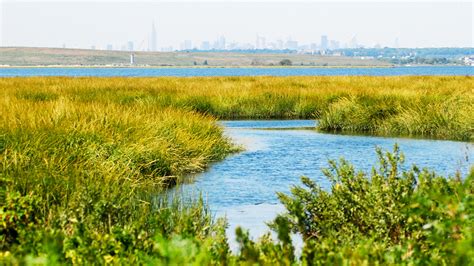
277 153
234 71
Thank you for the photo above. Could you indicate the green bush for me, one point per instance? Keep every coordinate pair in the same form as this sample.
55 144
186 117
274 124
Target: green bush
388 216
285 62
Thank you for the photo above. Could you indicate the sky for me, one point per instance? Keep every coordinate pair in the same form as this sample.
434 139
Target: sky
82 24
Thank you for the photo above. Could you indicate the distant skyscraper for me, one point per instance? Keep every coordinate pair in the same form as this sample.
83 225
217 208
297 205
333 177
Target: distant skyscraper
324 42
280 45
221 43
153 38
205 45
334 45
395 43
354 43
292 45
188 45
130 46
110 47
260 43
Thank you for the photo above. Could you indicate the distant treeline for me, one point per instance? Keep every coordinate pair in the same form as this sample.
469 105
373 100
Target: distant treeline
432 56
407 52
375 52
425 61
245 51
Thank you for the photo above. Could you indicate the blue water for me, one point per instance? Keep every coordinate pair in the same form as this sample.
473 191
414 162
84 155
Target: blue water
198 72
243 186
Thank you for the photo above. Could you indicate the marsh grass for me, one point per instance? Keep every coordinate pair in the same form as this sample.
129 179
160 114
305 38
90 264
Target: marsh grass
83 175
426 106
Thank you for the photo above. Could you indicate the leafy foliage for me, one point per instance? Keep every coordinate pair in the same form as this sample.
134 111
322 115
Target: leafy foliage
285 62
390 216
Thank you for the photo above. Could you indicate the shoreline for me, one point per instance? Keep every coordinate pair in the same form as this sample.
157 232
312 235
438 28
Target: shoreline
214 67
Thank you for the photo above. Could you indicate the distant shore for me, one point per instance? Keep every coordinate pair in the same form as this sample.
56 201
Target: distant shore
57 57
198 67
11 57
201 67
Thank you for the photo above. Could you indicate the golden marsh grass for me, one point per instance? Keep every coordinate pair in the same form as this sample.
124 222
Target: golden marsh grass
428 106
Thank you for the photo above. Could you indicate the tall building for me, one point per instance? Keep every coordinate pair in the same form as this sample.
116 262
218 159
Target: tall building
153 38
130 45
221 43
395 43
324 42
110 47
260 42
292 45
280 45
205 45
334 45
187 45
354 43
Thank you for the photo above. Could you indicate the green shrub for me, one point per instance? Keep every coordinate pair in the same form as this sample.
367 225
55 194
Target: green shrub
390 216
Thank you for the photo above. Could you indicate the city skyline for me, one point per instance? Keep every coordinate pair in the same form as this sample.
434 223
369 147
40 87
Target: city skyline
236 25
261 43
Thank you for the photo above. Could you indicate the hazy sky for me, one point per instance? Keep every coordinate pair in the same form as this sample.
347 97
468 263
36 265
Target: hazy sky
83 24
